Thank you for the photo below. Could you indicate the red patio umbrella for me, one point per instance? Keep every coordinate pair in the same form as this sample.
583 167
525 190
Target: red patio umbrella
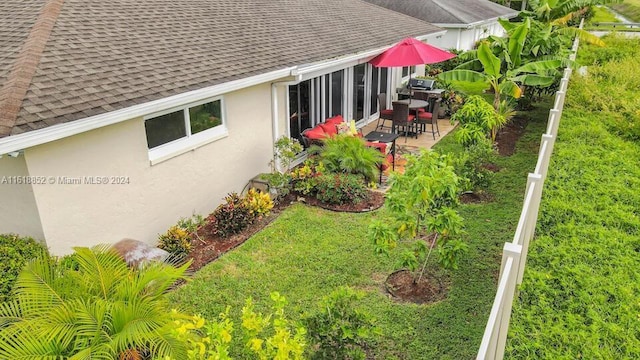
410 52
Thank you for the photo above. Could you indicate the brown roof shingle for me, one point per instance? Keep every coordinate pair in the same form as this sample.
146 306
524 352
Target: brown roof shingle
108 55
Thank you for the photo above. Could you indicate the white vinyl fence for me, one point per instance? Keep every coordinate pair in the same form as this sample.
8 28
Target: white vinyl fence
514 255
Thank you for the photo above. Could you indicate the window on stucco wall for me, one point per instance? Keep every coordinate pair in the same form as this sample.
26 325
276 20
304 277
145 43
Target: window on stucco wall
177 130
182 123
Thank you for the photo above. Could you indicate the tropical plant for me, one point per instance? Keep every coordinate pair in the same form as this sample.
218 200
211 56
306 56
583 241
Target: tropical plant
340 188
421 201
338 329
258 202
15 252
176 241
271 336
285 150
277 338
506 72
478 120
349 154
103 310
230 217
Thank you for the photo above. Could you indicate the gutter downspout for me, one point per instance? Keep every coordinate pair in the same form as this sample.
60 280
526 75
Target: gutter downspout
274 107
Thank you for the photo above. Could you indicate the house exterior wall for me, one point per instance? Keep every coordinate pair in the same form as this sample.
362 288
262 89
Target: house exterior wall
156 196
465 39
18 205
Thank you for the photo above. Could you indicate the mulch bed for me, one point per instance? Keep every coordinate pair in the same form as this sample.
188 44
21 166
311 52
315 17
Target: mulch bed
508 136
429 289
209 248
476 198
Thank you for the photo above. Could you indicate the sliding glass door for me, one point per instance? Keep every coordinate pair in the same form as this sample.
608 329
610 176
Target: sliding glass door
352 93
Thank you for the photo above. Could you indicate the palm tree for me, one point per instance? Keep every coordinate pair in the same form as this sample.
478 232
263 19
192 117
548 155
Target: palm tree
101 310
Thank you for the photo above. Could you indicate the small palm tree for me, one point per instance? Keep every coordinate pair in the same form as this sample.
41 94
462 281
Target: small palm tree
349 154
102 310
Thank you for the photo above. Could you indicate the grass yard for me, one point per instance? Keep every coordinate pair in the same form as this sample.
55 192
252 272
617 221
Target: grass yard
629 9
308 252
581 292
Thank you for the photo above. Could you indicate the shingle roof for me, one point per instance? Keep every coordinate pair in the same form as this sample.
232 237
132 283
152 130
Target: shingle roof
448 11
108 55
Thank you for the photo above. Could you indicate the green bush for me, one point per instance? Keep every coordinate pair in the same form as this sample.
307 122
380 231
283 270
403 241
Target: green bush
477 119
470 166
349 154
338 330
340 188
176 241
15 251
230 218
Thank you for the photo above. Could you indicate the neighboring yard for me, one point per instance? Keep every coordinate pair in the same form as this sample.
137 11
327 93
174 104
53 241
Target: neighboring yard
629 9
581 292
308 252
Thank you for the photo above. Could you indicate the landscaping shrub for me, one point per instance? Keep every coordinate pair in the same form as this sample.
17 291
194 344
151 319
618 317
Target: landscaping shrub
102 310
470 166
230 218
339 330
15 251
305 177
258 202
271 336
341 188
477 119
349 154
176 241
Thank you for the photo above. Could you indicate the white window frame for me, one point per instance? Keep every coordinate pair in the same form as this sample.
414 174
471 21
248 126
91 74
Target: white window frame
189 142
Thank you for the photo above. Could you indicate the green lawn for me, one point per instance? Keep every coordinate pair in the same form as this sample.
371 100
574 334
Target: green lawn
629 9
581 292
307 252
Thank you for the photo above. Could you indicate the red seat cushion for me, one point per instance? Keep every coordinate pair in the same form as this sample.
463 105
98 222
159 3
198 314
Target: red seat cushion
378 145
411 117
335 120
386 112
425 115
317 133
388 160
330 129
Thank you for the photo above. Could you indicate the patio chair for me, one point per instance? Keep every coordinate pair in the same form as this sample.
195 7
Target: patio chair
425 118
385 114
402 119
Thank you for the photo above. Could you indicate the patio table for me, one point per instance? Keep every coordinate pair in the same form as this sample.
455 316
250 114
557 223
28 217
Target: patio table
385 138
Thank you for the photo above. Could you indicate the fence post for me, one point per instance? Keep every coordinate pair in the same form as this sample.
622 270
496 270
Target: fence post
550 140
552 123
567 73
513 251
559 100
530 221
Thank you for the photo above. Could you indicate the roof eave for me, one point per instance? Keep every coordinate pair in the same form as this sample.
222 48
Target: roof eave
474 24
32 138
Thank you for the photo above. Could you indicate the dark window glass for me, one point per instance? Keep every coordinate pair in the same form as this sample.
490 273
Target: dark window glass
205 116
336 93
405 71
374 91
166 128
383 80
358 88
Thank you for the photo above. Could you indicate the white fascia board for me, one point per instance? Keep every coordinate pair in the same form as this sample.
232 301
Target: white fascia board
310 71
55 132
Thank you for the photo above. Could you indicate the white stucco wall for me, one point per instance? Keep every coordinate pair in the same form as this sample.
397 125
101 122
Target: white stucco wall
156 196
465 39
17 204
